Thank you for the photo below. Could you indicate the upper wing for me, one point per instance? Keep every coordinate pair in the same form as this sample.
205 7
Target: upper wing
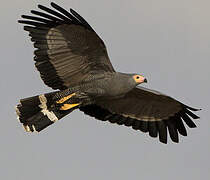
68 49
148 111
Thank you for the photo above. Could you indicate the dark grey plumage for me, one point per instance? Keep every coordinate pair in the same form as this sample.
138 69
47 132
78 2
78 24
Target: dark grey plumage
72 58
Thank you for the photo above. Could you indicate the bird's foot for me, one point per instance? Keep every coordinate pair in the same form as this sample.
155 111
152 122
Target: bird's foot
65 107
62 100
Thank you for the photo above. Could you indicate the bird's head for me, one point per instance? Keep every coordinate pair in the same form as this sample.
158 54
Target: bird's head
139 79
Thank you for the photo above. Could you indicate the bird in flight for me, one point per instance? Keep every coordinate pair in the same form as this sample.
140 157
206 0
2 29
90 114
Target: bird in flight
73 60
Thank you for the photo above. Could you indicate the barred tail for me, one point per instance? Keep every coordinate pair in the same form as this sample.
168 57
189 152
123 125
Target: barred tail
35 113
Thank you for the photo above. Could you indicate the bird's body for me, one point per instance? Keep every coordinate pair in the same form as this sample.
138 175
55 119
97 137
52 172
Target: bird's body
103 86
72 58
111 85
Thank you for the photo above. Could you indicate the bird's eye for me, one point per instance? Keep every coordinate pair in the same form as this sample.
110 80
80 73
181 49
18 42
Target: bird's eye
137 77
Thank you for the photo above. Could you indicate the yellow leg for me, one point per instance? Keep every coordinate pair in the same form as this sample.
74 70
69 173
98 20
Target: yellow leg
62 100
68 106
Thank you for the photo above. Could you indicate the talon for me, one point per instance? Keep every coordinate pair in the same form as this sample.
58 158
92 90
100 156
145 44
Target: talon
68 106
62 100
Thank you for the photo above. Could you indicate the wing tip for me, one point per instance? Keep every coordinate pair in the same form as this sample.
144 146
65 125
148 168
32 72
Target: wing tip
20 21
164 142
40 6
192 108
53 4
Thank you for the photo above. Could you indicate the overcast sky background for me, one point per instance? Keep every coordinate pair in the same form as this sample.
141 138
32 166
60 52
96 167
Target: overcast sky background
167 41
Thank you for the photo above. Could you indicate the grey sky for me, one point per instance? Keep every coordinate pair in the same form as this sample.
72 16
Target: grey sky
167 41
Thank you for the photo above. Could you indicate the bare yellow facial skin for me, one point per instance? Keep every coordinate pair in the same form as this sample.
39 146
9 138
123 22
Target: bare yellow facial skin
139 79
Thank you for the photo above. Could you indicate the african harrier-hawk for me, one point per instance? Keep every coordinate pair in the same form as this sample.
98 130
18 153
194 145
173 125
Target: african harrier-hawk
72 58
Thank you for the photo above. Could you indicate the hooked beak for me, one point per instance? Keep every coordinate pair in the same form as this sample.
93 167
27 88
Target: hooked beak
145 80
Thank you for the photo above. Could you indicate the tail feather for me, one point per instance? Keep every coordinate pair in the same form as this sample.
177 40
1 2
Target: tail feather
37 122
36 113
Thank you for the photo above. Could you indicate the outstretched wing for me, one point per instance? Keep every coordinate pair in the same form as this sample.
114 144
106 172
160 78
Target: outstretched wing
68 49
148 111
